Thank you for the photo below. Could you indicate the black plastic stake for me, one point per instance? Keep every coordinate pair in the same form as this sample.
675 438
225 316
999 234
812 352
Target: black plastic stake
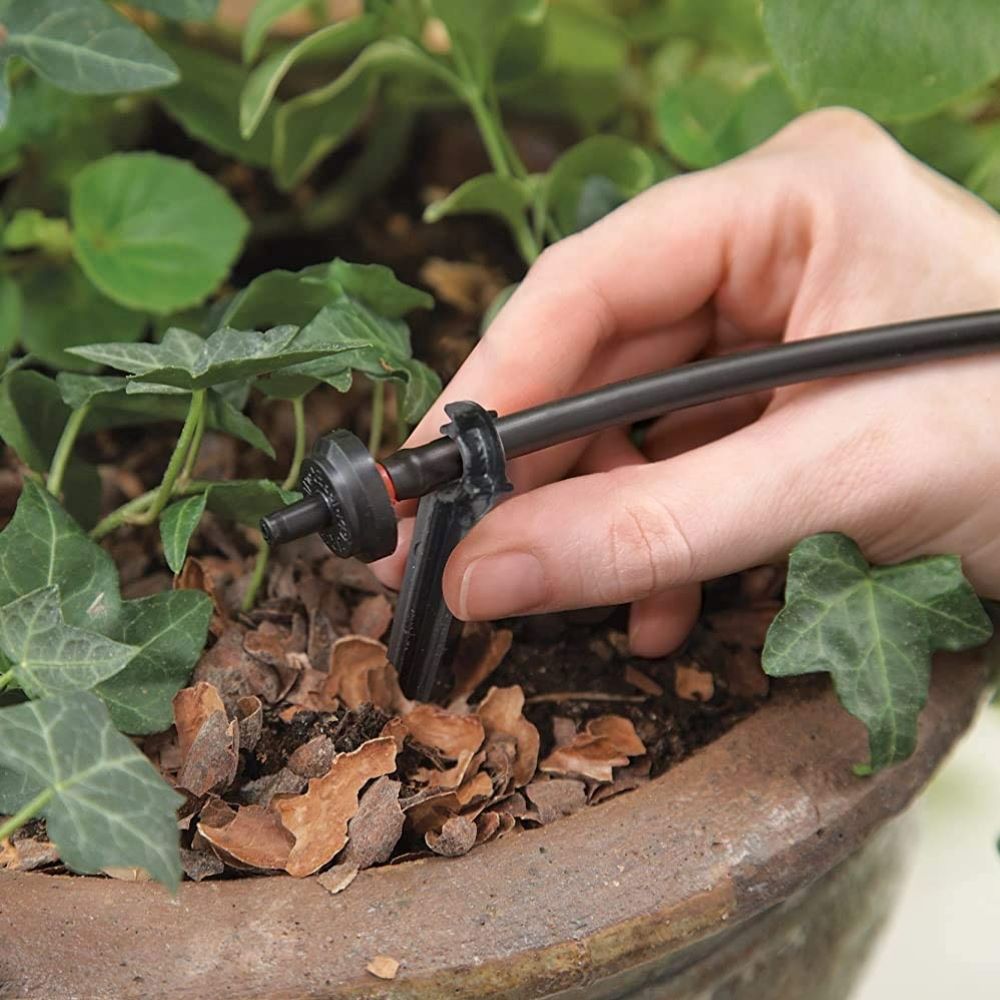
424 630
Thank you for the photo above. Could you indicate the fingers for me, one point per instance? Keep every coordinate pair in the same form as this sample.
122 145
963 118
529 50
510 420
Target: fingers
649 265
624 536
658 624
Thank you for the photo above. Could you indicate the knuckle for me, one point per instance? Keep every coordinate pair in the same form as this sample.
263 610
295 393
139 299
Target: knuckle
649 550
852 133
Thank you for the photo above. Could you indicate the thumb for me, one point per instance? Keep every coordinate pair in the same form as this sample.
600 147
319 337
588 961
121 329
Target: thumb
621 536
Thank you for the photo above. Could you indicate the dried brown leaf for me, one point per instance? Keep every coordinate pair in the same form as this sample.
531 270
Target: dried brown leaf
254 838
195 575
192 707
26 854
456 837
383 966
360 673
743 626
466 285
556 798
479 653
693 684
444 731
235 673
250 716
213 757
744 676
372 616
376 827
338 878
563 730
501 714
313 759
200 865
261 790
605 743
644 683
318 818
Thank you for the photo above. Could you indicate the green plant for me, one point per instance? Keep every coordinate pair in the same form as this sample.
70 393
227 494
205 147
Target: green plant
115 310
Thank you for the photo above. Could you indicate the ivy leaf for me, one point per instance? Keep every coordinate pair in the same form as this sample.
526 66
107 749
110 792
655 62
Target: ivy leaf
478 30
897 65
152 232
873 629
246 501
78 391
506 198
186 361
55 297
205 103
32 418
335 41
49 657
628 166
181 10
177 524
84 46
297 296
168 631
106 805
43 546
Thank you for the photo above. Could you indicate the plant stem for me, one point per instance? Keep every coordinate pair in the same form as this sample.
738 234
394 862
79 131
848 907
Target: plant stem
257 577
299 412
122 515
5 679
378 417
490 130
194 448
64 449
177 459
30 811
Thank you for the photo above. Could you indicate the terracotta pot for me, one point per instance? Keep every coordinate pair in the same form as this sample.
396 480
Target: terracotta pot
760 867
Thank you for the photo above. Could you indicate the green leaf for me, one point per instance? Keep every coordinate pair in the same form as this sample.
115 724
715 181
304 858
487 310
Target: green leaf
10 313
169 631
32 418
477 31
84 46
55 298
223 416
505 198
153 232
874 630
421 387
181 10
177 524
896 64
309 127
248 500
723 24
949 144
187 361
107 805
278 297
78 391
49 657
722 111
30 229
628 166
205 103
43 546
261 18
373 284
335 41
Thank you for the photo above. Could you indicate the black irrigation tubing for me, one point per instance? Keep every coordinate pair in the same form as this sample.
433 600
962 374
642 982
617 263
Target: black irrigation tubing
415 472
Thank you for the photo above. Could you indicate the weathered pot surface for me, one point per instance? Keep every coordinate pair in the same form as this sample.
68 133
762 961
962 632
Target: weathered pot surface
741 826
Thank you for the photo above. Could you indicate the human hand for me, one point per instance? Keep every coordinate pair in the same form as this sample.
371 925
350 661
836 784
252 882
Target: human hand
827 227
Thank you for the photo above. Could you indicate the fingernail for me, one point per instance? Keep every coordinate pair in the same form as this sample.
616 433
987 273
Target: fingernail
508 583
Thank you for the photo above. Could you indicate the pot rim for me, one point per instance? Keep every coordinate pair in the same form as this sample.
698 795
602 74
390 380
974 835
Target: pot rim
732 830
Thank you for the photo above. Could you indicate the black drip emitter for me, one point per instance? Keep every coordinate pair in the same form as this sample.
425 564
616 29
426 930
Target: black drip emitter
349 497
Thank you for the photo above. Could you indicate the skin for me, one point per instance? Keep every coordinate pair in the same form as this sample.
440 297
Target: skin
827 227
